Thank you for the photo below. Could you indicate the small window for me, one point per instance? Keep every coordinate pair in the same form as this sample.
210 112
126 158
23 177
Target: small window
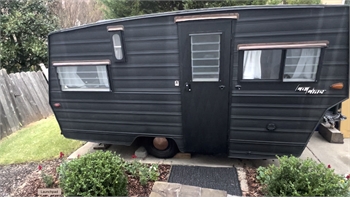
83 78
205 56
262 64
117 44
301 64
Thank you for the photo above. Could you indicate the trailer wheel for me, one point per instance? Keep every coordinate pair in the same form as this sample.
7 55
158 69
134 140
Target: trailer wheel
161 147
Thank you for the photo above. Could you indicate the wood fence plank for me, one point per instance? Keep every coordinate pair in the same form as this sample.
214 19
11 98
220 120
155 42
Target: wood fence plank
33 108
33 95
11 97
43 91
36 90
1 126
17 106
24 106
6 102
41 98
43 80
5 126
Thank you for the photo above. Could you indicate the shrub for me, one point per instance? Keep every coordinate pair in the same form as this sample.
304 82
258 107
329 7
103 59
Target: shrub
143 172
296 177
96 174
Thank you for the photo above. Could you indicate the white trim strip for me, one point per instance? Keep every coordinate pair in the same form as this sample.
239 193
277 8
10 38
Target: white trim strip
205 17
81 63
115 28
283 45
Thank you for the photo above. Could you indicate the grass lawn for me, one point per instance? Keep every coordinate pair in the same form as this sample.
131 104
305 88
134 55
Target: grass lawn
38 141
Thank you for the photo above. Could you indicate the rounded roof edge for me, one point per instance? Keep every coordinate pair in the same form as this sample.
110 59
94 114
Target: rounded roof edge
193 11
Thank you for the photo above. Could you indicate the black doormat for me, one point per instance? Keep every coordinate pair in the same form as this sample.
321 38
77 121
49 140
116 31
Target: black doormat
215 178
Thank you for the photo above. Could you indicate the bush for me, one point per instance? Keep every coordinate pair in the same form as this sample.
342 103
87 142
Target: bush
296 177
96 174
143 172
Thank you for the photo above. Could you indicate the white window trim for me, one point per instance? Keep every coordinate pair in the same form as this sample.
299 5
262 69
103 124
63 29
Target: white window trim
84 63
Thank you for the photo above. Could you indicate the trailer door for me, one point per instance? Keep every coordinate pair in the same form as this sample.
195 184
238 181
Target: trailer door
204 48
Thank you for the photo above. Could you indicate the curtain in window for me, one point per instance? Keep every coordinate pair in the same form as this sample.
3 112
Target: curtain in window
102 75
307 61
68 76
252 65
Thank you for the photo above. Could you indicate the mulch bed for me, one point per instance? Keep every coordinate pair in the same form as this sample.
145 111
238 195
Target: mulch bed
255 188
26 179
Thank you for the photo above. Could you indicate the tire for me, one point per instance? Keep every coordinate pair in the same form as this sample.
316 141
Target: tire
169 152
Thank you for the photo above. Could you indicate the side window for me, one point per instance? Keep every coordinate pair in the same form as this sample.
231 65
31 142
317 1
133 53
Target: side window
117 44
83 77
205 57
116 33
287 62
262 64
301 64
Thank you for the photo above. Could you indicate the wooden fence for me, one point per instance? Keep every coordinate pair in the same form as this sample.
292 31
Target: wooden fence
23 99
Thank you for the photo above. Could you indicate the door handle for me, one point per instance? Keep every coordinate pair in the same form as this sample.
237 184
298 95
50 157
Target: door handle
222 87
188 87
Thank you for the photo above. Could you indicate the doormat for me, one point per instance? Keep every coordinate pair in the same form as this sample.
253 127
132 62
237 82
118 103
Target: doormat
214 178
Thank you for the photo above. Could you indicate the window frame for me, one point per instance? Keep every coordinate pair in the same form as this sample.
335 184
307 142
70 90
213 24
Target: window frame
284 46
117 29
106 63
219 56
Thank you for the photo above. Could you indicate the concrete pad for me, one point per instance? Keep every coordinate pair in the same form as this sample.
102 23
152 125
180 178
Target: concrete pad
86 148
307 154
336 155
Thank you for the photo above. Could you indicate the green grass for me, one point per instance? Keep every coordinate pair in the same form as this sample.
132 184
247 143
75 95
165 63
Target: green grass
38 141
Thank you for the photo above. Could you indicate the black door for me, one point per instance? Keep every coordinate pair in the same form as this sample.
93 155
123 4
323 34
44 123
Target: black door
205 73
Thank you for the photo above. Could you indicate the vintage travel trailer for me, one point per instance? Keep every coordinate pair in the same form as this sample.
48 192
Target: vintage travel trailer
249 82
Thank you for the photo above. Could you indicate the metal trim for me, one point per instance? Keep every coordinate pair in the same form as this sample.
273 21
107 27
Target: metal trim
81 63
205 17
115 28
283 45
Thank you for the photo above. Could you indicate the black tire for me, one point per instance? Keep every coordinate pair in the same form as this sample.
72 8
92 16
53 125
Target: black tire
169 152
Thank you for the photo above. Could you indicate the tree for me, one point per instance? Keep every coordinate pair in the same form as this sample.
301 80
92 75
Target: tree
123 8
25 25
76 12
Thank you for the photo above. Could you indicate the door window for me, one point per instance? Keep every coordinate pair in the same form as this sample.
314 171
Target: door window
205 57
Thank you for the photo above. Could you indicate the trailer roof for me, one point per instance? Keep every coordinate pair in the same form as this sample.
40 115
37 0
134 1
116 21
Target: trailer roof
194 11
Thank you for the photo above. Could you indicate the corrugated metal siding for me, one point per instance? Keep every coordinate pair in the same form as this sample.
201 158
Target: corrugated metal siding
295 114
143 101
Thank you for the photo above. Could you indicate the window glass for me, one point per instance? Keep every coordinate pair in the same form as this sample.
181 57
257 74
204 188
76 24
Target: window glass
262 64
205 57
117 47
301 64
83 78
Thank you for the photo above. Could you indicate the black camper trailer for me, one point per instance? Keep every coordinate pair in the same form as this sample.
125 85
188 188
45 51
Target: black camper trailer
249 82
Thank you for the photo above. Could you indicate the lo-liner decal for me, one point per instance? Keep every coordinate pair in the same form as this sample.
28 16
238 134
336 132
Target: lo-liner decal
309 90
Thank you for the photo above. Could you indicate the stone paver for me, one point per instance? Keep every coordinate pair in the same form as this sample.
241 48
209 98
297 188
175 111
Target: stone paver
141 152
205 192
187 190
165 189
